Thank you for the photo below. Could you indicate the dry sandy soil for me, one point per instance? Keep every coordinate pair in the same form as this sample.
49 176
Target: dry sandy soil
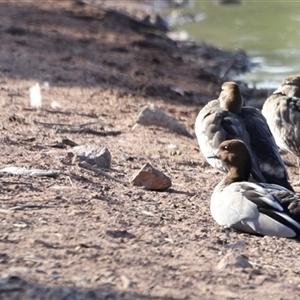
84 236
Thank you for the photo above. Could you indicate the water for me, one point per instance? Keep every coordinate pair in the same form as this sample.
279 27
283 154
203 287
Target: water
269 32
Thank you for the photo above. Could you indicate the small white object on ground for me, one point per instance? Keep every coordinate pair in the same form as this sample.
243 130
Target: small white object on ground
55 104
30 172
35 96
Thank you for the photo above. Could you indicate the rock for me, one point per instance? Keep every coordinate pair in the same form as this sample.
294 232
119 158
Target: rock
151 179
92 154
151 115
126 281
233 260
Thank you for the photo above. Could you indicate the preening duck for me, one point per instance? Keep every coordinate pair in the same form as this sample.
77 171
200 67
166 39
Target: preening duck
227 118
282 112
255 208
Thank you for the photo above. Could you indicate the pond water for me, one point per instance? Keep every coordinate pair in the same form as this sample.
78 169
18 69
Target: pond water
269 32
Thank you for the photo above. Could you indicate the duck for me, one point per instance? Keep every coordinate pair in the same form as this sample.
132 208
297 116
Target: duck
282 112
262 209
227 118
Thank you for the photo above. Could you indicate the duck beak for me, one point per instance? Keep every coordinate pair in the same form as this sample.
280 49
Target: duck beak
213 156
278 91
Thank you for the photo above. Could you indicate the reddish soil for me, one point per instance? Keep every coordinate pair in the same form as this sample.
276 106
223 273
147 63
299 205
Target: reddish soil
84 236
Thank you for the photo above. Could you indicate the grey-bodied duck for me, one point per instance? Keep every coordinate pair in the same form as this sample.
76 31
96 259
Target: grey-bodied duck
255 208
282 112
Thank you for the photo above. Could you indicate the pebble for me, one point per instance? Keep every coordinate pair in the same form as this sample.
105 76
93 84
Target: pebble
93 154
152 115
151 179
233 260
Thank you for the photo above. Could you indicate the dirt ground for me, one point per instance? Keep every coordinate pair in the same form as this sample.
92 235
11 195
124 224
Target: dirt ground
84 236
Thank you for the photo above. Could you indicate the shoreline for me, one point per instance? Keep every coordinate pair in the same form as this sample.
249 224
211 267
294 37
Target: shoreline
216 65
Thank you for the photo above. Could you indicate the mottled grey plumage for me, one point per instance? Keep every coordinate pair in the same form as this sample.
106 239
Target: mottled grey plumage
282 112
215 125
226 119
256 208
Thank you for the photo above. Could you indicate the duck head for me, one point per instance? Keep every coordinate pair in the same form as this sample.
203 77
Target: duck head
231 98
236 156
290 86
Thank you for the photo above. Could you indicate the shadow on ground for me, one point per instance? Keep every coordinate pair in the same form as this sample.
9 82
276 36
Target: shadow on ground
14 287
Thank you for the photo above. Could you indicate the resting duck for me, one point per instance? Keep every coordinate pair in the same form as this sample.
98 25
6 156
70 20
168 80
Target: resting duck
282 112
226 119
255 208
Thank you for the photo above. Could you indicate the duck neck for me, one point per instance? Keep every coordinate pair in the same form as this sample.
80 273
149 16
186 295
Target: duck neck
239 171
236 175
233 103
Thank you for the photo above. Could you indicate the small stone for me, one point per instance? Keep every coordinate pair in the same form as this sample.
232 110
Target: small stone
93 154
233 260
151 115
151 179
125 281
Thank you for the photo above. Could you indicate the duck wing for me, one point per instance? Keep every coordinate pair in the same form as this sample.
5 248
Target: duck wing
283 116
249 207
264 146
215 125
209 108
287 199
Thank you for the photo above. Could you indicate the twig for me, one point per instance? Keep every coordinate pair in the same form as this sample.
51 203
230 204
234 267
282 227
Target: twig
87 166
21 183
25 206
63 144
69 143
80 128
16 182
93 123
89 130
33 172
70 125
91 115
52 124
263 264
70 181
5 211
